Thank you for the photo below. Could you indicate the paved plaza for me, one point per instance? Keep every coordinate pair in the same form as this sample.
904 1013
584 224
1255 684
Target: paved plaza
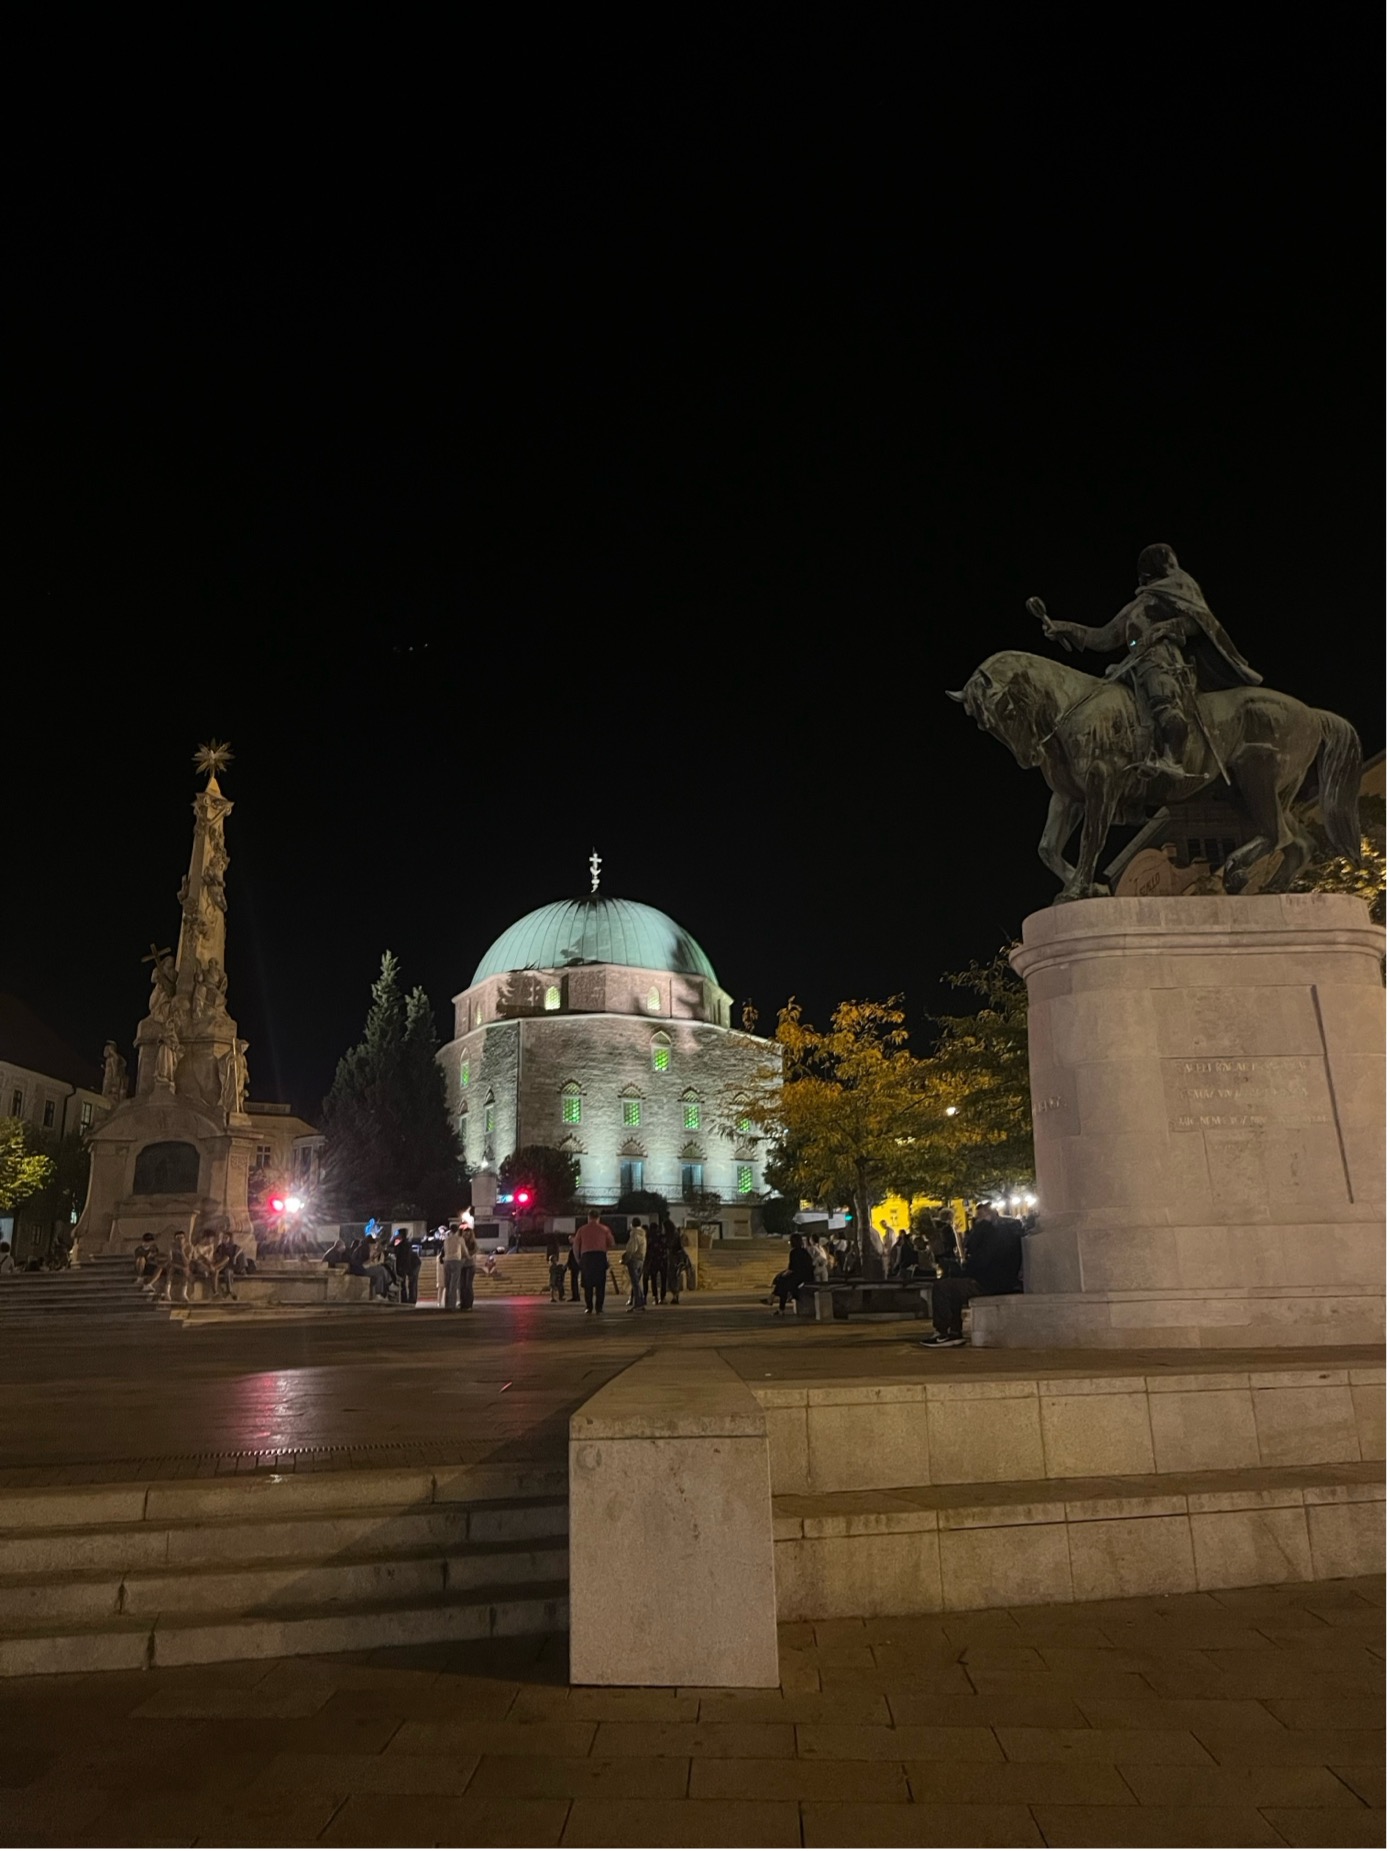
1241 1717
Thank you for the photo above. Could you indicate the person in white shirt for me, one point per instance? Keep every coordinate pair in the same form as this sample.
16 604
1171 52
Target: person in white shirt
451 1269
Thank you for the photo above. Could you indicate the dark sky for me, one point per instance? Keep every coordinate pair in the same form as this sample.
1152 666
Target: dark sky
507 469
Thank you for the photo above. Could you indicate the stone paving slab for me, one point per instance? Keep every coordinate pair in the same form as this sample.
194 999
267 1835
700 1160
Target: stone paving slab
929 1729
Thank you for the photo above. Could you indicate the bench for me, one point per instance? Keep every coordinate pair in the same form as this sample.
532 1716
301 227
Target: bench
843 1298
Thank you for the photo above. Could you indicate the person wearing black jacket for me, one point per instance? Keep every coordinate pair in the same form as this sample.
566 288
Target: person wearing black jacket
800 1270
407 1268
993 1268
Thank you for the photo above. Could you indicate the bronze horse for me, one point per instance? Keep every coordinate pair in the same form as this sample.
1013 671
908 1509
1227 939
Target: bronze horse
1082 733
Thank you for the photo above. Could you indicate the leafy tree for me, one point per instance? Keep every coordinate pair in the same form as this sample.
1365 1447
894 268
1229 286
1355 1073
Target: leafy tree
551 1175
65 1190
779 1214
1334 873
391 1149
978 1081
23 1170
851 1114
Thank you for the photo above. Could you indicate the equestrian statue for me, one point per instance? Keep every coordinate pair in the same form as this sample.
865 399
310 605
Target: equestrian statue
1180 710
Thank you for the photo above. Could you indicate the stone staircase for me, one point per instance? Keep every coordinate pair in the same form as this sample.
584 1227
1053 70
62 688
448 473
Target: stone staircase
121 1576
100 1288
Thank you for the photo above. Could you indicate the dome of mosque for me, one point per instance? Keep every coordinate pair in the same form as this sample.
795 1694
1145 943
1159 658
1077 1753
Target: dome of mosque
595 930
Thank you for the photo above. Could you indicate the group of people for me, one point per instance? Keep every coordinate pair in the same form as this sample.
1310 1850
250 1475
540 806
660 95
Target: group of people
202 1259
654 1258
992 1265
390 1267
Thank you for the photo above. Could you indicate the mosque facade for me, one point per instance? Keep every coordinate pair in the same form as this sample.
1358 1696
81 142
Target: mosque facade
598 1026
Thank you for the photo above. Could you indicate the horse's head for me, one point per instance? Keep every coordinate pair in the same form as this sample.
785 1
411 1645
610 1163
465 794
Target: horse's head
1010 699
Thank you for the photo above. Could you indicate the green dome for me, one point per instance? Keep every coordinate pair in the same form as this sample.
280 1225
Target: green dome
595 930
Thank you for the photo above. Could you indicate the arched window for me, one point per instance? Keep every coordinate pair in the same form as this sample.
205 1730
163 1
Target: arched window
489 1114
571 1103
632 1105
654 1001
478 1015
463 1071
661 1053
690 1109
552 996
745 1179
743 1118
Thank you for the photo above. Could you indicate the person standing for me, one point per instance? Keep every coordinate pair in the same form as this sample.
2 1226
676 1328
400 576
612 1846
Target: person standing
634 1259
993 1269
451 1268
678 1267
407 1268
468 1276
556 1253
654 1270
592 1246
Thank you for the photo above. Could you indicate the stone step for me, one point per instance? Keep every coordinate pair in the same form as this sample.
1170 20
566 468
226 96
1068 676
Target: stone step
261 1588
260 1497
145 1546
130 1642
1029 1542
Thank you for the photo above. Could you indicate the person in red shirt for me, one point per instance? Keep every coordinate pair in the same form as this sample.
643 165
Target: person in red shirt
592 1245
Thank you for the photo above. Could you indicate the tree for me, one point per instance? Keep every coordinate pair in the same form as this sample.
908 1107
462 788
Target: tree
390 1146
65 1190
1365 878
978 1079
551 1176
23 1170
851 1115
643 1202
779 1215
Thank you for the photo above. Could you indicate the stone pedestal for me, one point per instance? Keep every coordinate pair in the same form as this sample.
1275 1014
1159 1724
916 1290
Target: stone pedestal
1209 1107
670 1539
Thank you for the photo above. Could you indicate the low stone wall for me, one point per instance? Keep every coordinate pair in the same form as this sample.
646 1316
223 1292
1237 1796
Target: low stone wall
850 1436
909 1552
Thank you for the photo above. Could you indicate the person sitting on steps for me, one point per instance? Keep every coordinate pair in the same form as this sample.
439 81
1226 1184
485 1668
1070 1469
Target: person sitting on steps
993 1268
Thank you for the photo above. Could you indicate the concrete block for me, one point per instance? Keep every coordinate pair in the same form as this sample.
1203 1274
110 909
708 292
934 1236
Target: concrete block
1205 1430
669 1475
842 1577
1251 1548
1305 1425
1368 1407
1089 1435
1347 1539
1143 1555
1019 1567
984 1441
867 1445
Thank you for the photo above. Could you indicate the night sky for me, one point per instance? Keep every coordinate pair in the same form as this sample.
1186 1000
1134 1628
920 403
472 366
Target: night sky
507 472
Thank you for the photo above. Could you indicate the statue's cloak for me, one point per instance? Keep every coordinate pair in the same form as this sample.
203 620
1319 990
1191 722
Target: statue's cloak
1219 663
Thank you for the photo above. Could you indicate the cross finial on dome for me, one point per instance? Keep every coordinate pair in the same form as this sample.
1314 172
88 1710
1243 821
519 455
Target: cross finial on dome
595 863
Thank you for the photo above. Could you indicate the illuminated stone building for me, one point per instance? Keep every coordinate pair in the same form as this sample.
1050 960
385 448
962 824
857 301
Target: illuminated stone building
598 1026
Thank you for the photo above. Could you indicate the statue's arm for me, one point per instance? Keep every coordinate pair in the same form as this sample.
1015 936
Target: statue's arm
1079 635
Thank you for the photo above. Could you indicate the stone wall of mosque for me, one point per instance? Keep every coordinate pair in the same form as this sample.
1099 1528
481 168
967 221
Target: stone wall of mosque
591 989
643 1102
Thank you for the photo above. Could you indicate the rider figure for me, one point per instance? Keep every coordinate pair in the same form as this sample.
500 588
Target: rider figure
1174 650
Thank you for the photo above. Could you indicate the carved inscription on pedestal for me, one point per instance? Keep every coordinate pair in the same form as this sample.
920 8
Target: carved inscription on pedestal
1245 1092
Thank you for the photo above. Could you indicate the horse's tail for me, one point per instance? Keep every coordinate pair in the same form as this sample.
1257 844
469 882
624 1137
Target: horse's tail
1339 782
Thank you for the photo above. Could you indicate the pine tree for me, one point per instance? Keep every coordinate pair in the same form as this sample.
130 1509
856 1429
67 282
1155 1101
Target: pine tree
390 1147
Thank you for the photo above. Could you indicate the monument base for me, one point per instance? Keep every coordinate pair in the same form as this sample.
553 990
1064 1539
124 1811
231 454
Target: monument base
1284 1317
1208 1087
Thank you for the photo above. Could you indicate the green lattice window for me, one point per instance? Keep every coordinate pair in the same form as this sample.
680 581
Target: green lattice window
745 1179
463 1072
632 1111
690 1114
661 1057
571 1107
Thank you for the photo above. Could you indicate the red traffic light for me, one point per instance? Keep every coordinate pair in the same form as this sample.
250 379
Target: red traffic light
277 1203
523 1198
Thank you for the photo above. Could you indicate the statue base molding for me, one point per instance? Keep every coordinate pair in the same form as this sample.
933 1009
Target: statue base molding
1208 1089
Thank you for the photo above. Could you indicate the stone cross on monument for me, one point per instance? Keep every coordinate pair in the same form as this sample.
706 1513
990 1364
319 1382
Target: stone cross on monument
595 863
